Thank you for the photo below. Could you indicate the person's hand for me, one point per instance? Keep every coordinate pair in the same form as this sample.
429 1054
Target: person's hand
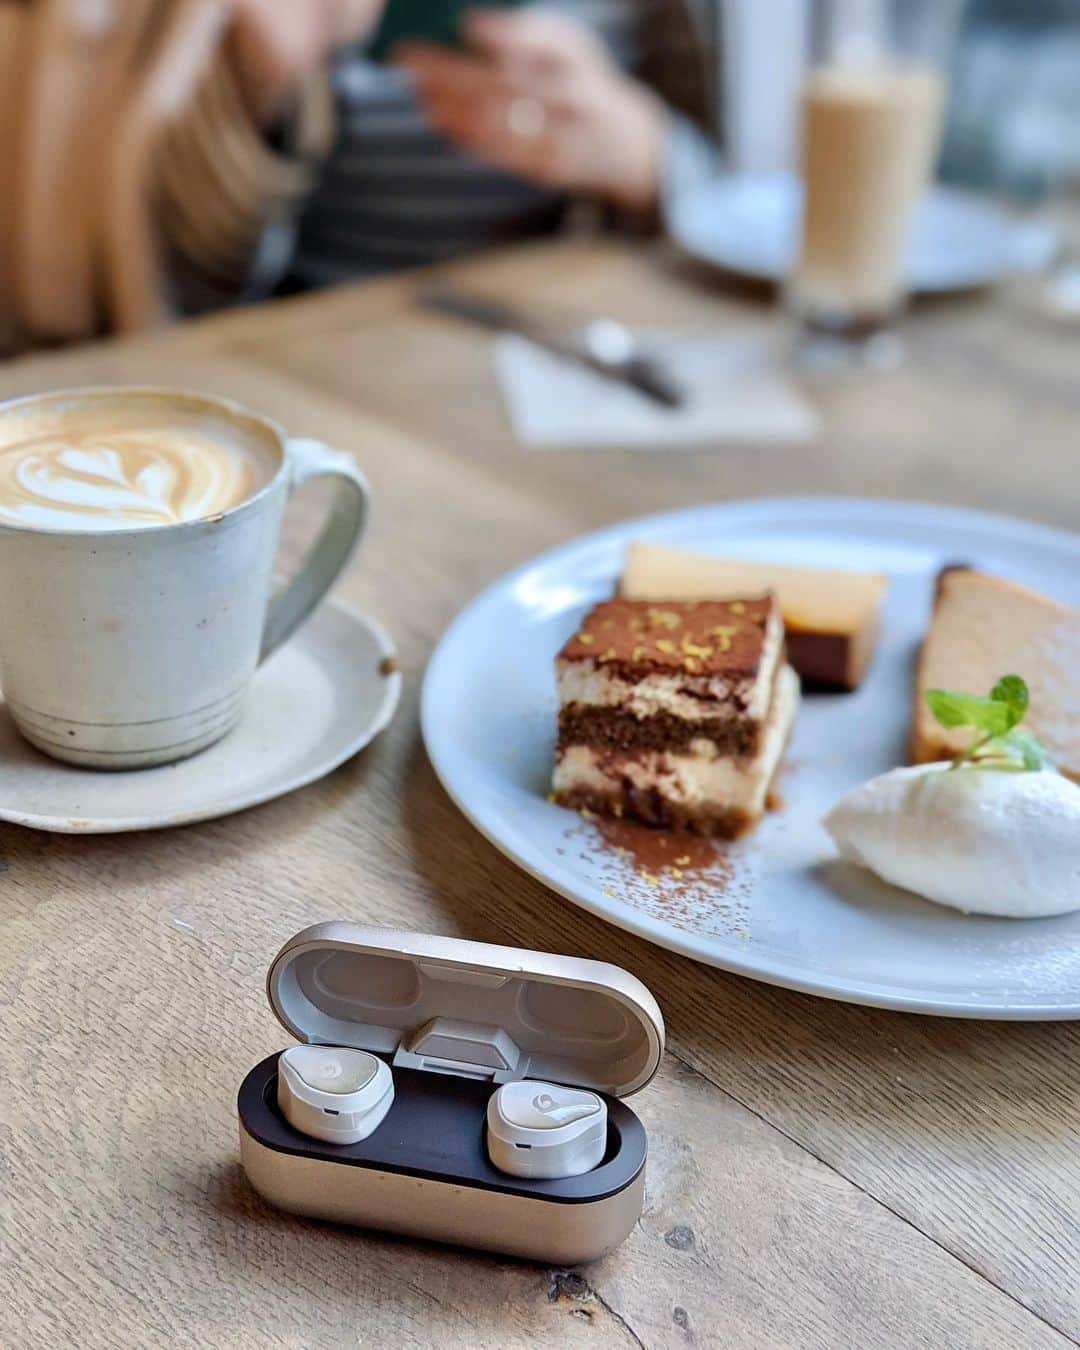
537 95
277 44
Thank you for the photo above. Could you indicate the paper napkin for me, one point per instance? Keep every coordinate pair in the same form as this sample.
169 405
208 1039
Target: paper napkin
735 392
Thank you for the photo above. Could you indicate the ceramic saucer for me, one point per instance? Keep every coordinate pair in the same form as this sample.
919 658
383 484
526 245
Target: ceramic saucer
314 704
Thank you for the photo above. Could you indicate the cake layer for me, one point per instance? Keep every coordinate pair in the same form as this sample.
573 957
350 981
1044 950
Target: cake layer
700 788
611 728
695 661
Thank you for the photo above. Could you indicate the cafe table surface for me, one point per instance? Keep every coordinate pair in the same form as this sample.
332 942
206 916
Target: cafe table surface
819 1174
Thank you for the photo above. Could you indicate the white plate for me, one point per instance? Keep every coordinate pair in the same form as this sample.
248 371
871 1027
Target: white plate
750 226
788 913
315 703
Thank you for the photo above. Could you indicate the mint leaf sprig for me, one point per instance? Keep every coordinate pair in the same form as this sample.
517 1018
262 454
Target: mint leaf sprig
998 741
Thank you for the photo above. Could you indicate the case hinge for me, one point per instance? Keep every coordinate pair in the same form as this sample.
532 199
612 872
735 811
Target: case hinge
467 1049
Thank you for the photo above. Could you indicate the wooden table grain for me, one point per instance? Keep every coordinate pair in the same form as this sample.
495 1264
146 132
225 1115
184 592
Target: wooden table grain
820 1175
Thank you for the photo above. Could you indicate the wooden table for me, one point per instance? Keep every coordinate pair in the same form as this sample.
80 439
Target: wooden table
820 1175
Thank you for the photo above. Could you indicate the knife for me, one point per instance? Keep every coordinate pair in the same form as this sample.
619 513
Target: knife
604 346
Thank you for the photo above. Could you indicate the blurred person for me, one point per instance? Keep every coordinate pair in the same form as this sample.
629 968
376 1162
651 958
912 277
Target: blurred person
127 149
446 150
169 155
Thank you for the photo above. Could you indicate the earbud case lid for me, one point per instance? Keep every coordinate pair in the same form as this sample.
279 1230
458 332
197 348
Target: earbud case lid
472 1008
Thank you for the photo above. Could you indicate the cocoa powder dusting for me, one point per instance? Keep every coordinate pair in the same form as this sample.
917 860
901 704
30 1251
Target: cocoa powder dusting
654 849
689 881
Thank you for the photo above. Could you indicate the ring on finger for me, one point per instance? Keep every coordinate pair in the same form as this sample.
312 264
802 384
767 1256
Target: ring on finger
526 118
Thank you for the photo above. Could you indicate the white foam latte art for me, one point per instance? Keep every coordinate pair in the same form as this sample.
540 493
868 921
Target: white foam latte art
124 479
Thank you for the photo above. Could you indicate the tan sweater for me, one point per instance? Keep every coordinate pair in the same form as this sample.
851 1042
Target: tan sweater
124 140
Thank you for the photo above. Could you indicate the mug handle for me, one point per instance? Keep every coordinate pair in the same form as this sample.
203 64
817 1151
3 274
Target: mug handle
334 546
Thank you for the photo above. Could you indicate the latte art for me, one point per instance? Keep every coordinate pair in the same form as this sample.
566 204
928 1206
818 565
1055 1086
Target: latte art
123 479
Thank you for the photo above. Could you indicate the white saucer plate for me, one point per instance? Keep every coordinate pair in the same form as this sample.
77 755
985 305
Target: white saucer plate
750 226
315 703
782 908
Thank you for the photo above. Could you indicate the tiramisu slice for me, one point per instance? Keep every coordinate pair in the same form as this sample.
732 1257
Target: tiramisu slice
675 713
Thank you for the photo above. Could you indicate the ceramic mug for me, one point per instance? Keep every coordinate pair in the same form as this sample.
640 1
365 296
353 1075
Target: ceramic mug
124 648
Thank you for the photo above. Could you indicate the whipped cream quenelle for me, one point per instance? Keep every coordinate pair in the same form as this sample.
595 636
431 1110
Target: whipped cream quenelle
981 840
123 471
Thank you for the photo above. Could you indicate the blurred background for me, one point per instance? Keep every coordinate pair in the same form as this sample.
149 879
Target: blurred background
165 157
1014 91
1015 104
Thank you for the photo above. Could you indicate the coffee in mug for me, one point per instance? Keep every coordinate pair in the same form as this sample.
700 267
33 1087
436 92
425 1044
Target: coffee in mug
110 466
137 536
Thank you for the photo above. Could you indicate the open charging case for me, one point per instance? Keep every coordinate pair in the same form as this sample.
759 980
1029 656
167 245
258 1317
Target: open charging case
454 1020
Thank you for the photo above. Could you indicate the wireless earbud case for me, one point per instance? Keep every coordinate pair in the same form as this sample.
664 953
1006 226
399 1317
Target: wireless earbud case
455 1019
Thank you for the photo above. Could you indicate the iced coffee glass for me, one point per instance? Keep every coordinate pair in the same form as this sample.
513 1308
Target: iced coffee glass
871 116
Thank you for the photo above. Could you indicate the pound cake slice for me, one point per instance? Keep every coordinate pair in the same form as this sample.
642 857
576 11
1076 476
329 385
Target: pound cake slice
984 627
831 616
675 713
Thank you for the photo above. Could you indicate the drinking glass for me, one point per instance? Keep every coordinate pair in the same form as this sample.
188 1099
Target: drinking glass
872 110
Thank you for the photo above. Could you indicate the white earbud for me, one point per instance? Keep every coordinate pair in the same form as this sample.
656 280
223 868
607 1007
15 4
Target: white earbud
543 1130
333 1093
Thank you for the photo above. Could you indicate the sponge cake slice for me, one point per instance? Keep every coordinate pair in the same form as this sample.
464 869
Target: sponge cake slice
984 627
